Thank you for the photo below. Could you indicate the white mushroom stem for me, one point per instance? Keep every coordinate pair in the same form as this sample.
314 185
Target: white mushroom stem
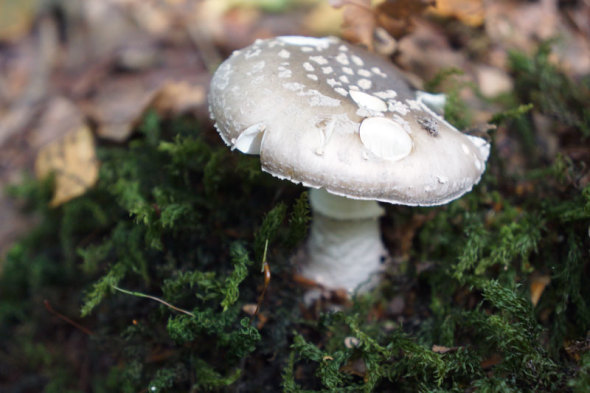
344 249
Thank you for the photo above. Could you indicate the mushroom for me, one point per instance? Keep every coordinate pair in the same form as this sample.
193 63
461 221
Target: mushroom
345 123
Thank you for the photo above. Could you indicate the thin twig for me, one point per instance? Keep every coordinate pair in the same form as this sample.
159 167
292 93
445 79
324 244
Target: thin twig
66 319
139 294
266 270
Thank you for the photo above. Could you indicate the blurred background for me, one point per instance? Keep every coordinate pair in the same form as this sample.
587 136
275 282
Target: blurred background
91 68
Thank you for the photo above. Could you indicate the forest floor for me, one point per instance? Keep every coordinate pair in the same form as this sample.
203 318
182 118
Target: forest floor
108 100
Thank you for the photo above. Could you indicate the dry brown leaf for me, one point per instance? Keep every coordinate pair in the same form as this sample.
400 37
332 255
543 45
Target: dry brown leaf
358 21
395 16
470 12
537 286
178 98
356 367
493 360
442 349
250 308
119 104
66 148
575 349
73 161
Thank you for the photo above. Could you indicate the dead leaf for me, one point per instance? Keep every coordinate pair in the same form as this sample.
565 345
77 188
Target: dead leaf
537 286
119 104
470 12
442 349
575 349
66 149
356 367
74 163
493 360
395 16
249 308
358 21
323 20
178 98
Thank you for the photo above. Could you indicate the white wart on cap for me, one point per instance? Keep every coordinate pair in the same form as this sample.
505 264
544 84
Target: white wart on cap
330 115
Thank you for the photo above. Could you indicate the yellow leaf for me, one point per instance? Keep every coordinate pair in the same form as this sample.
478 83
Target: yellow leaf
470 12
16 18
73 162
537 286
179 97
322 20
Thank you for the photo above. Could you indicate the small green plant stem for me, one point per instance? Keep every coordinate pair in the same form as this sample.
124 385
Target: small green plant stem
139 294
266 270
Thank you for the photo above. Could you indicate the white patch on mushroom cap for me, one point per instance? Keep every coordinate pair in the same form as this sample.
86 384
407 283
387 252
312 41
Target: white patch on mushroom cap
368 101
284 54
293 86
313 77
321 60
398 106
365 73
341 91
253 52
347 70
257 67
385 138
327 70
365 83
308 67
378 71
284 72
357 60
318 99
303 41
342 59
250 139
333 82
415 105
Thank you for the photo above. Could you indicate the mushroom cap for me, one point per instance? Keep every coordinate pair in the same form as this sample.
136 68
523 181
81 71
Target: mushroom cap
330 115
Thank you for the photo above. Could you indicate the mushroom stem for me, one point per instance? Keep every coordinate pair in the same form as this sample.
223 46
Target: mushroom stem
344 249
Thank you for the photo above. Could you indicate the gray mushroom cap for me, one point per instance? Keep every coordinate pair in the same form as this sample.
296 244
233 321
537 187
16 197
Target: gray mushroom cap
331 115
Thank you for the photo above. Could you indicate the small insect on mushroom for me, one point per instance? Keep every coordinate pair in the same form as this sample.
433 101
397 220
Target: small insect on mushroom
354 133
429 124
